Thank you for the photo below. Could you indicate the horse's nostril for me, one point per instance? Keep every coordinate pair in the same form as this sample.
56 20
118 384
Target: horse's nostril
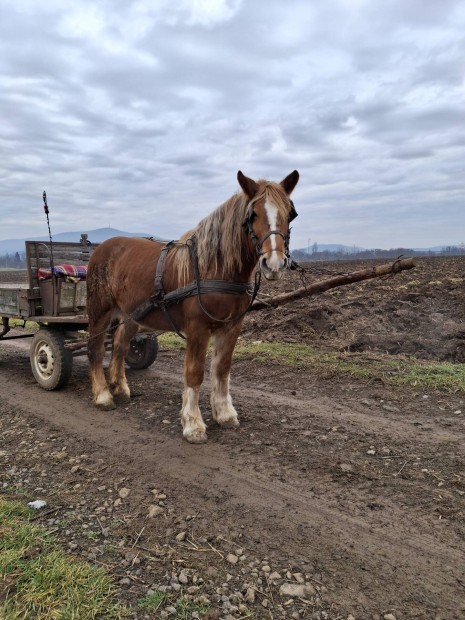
274 263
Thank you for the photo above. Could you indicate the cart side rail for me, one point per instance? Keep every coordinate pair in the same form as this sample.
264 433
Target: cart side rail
42 254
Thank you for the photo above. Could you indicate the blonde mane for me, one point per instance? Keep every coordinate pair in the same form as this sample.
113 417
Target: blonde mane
220 236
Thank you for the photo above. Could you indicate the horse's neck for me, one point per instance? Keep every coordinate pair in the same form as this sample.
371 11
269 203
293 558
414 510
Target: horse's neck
229 267
245 274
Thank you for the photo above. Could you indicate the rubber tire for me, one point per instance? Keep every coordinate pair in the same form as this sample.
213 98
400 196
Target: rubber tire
51 362
142 352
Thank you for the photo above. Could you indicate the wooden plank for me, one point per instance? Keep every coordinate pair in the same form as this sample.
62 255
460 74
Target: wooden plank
67 298
19 286
74 319
9 301
43 261
62 257
14 302
81 295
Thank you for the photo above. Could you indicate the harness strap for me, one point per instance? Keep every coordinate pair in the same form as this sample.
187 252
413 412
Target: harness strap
159 292
161 300
259 244
159 296
255 286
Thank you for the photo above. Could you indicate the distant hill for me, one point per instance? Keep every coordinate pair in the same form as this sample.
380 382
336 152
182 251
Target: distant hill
10 246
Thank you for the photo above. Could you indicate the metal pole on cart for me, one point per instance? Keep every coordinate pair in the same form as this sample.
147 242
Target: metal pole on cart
52 266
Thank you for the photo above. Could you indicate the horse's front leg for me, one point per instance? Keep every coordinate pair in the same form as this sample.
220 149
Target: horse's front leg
116 370
221 403
194 429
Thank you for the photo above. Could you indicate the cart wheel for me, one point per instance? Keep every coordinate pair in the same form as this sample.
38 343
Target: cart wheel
142 352
51 362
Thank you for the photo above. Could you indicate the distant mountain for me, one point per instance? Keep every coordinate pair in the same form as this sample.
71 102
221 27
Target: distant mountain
10 246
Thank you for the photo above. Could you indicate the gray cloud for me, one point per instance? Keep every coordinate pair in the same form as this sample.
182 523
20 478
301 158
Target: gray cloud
139 114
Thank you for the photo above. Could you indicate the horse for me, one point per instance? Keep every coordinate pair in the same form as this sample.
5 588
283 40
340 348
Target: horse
200 286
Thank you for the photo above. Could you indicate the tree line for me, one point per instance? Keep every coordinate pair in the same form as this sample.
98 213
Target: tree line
16 260
342 254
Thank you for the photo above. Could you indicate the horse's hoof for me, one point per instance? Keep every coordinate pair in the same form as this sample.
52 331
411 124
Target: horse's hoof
122 399
196 437
105 401
232 423
106 406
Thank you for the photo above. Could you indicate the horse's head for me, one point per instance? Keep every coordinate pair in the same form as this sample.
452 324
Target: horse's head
269 213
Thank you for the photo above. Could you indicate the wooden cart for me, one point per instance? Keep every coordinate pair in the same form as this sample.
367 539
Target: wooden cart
58 304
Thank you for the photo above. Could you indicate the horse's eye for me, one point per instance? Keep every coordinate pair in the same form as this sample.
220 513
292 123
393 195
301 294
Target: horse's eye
253 216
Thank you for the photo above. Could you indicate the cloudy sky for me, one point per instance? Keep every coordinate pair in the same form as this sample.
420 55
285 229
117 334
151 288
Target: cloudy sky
138 114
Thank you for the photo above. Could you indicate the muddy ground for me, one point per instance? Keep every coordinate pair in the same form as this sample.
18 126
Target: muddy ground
335 497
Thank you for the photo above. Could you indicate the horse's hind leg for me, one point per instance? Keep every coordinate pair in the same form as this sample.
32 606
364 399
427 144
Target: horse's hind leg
194 429
223 411
116 370
98 327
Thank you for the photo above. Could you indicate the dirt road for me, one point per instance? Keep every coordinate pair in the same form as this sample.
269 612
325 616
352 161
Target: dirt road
352 490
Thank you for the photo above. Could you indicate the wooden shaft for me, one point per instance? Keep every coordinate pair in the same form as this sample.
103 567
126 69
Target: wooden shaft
320 287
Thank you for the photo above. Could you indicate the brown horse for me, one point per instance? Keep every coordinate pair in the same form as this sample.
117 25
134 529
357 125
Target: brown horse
220 257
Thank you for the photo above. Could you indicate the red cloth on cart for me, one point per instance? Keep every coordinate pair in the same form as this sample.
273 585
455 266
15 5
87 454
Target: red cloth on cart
78 272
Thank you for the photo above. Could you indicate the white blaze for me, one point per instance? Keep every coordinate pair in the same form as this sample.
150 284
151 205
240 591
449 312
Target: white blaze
274 260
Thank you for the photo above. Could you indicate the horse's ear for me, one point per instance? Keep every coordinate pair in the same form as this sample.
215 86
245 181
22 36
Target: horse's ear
290 182
248 185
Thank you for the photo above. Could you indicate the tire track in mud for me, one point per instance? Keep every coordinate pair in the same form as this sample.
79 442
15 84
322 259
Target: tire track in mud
400 547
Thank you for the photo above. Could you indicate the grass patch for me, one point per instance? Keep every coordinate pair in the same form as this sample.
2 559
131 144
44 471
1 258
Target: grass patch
39 580
411 371
170 340
399 371
153 602
20 323
184 607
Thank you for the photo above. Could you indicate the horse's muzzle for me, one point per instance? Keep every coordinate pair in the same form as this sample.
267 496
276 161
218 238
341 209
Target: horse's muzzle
273 267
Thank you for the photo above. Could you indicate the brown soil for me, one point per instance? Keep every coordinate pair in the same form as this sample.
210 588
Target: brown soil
420 312
357 486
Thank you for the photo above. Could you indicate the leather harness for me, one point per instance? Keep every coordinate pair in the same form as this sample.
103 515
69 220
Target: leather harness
162 300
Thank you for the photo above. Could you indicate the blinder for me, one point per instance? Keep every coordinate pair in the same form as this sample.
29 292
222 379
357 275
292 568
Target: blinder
292 213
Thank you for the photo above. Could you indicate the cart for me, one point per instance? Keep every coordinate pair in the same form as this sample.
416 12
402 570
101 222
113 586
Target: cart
54 296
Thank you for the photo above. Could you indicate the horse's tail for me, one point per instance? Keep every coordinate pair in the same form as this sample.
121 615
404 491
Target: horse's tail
99 297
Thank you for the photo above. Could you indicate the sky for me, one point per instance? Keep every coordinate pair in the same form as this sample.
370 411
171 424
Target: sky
138 115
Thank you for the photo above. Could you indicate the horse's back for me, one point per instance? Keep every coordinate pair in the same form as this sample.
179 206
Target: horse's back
125 253
123 269
116 247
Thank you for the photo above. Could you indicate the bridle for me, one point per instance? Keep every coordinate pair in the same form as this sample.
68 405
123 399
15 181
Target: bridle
258 243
